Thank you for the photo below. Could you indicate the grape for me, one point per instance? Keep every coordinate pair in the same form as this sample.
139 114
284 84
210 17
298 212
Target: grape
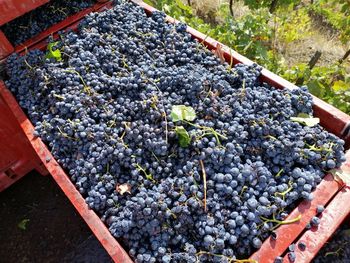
278 260
302 245
291 256
315 221
319 209
106 113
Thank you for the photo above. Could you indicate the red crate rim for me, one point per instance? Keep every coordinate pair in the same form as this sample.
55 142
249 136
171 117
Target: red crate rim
339 123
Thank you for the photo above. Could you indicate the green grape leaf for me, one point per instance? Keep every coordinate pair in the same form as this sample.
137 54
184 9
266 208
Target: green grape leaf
305 119
23 224
184 7
340 86
182 112
341 176
56 54
184 137
316 88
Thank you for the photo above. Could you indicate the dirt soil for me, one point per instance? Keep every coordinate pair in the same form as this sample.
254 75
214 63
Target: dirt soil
54 233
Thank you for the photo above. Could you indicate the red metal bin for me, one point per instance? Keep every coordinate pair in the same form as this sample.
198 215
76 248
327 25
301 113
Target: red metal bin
17 156
328 193
9 10
18 159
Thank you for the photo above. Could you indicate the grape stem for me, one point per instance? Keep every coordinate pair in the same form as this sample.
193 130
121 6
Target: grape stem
65 134
58 96
86 87
230 259
279 222
209 130
29 66
148 175
204 184
279 172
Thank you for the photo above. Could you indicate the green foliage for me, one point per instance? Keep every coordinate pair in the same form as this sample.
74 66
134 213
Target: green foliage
182 112
23 224
56 54
184 137
337 14
293 26
331 83
255 34
250 35
271 4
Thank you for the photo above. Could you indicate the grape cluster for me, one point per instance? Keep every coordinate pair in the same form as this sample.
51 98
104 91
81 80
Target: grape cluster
40 19
106 112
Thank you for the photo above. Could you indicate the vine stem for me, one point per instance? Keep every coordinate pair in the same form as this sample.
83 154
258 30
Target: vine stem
278 222
86 87
204 184
230 259
166 126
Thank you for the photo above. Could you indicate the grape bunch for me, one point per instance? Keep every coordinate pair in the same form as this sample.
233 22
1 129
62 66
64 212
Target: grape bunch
40 19
185 158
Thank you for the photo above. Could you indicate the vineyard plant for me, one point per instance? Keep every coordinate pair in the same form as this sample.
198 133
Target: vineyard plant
264 30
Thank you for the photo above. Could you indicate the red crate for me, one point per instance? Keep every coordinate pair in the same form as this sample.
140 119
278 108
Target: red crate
328 193
73 19
17 156
16 160
98 228
11 9
6 47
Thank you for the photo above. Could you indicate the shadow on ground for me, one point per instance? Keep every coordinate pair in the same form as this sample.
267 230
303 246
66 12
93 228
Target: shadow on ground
39 224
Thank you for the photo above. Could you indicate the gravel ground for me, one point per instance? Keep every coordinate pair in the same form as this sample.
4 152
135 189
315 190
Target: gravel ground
39 224
337 249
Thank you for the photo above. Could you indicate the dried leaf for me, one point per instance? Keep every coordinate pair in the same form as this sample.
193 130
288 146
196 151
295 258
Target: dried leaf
23 224
219 53
341 176
305 119
123 188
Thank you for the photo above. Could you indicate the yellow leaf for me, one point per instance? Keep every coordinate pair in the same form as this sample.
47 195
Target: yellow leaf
340 85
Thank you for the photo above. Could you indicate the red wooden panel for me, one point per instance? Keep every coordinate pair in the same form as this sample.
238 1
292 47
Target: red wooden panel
5 46
11 9
17 157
